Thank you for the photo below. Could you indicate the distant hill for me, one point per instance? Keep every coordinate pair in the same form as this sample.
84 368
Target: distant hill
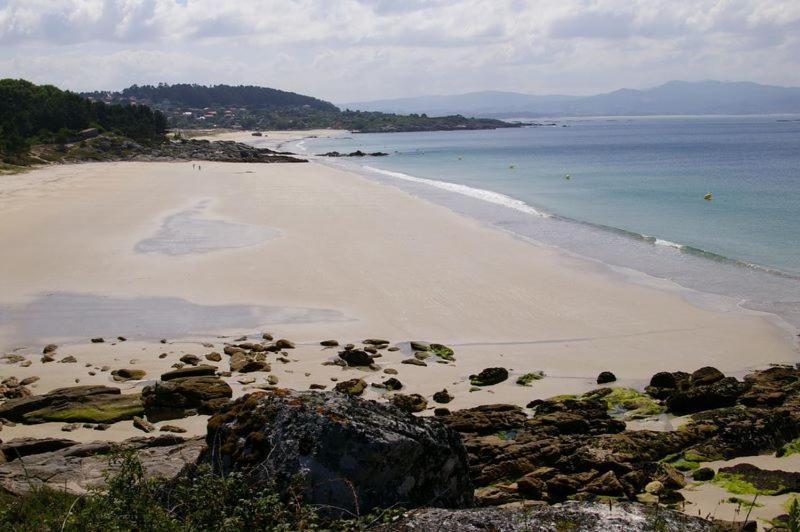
245 106
672 98
200 96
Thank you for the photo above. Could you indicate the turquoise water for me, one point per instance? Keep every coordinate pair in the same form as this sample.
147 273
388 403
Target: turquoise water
634 197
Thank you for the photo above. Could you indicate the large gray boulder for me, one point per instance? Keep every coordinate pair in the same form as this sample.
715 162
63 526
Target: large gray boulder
351 454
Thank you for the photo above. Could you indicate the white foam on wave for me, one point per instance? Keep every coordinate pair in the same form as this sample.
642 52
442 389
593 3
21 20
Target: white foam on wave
667 243
464 190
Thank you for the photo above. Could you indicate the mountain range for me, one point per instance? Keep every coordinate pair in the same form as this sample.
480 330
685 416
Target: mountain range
671 98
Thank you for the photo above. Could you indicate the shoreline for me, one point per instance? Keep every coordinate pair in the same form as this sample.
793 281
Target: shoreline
311 252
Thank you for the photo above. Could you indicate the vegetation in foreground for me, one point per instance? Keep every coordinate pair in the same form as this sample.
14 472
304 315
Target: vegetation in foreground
201 501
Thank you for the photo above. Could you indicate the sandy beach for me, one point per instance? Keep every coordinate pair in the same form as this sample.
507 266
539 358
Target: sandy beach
162 250
184 257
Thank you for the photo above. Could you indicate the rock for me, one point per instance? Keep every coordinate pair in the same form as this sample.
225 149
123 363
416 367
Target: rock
371 350
172 428
97 340
654 488
91 404
76 468
721 525
390 371
246 380
772 482
392 384
606 377
496 496
531 487
579 516
441 412
214 357
69 427
245 363
705 376
126 374
143 425
356 455
695 398
175 398
413 362
272 379
122 339
442 351
49 348
351 387
28 380
22 447
409 403
393 349
47 358
421 355
443 397
329 343
190 359
68 360
189 371
267 336
316 386
283 343
419 346
606 484
375 341
703 474
356 357
489 377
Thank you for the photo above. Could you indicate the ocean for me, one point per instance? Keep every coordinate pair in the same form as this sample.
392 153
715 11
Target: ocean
628 192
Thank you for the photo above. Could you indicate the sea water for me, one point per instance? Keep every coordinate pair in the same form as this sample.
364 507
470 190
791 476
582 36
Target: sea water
625 191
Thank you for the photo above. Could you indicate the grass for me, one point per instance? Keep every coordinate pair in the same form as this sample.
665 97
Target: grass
197 501
743 503
442 351
793 447
528 378
684 465
10 169
632 403
734 483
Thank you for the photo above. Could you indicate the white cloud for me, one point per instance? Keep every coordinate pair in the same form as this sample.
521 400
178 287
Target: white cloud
356 49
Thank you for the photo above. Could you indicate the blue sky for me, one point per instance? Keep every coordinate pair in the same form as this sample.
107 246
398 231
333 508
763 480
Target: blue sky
346 50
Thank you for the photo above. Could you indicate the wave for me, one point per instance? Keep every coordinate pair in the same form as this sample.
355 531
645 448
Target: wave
478 193
513 203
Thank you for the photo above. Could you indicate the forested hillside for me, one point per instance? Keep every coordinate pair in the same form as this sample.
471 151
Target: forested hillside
32 114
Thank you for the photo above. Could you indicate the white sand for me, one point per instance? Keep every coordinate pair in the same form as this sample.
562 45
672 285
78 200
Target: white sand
391 265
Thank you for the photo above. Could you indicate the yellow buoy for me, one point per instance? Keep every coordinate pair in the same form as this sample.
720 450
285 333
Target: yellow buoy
707 197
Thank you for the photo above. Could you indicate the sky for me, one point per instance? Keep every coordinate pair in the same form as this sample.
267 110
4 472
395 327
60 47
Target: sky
354 50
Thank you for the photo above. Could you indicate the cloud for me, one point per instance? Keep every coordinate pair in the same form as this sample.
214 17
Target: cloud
358 49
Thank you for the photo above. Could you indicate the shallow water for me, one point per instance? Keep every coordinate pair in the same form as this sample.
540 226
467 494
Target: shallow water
634 198
75 316
189 232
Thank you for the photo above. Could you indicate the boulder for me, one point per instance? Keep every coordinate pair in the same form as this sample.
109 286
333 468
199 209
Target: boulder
703 474
22 447
213 356
127 374
392 384
771 482
143 425
189 371
192 360
329 343
91 404
351 387
78 467
705 376
489 377
606 377
409 403
175 398
695 398
356 357
442 397
354 455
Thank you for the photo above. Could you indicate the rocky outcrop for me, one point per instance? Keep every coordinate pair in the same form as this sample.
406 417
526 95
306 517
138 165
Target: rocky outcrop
352 454
182 396
89 404
573 448
78 467
586 517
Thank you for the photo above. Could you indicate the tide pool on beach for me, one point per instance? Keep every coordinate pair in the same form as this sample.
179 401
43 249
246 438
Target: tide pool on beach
626 191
